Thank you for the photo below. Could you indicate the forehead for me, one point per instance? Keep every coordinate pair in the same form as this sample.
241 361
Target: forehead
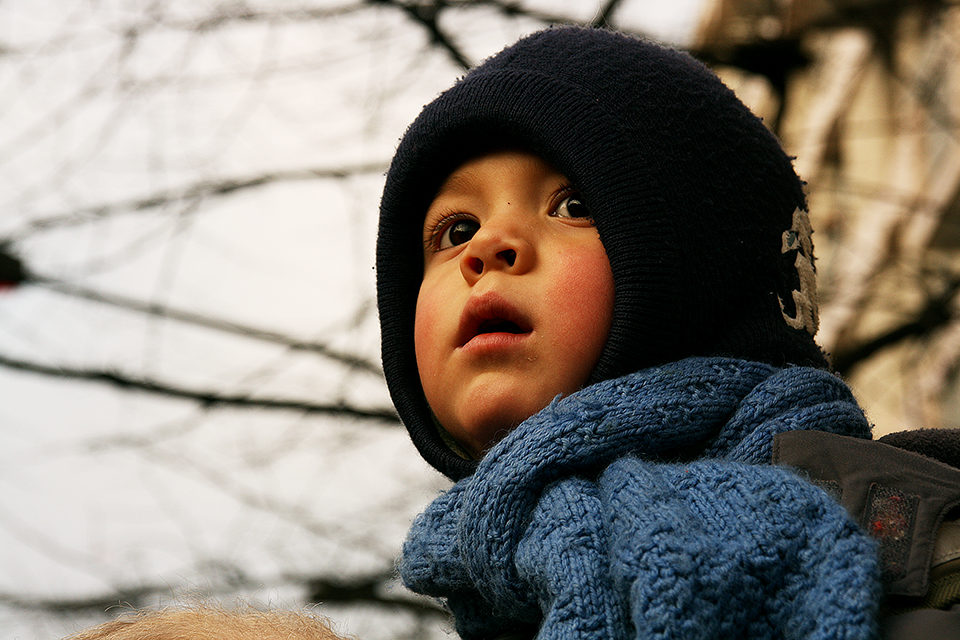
493 169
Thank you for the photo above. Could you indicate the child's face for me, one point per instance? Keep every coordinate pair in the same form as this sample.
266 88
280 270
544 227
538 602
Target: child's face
517 296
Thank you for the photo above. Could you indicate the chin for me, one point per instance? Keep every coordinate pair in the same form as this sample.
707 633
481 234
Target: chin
478 437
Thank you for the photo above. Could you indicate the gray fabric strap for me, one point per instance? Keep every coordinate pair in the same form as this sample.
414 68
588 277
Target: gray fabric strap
899 497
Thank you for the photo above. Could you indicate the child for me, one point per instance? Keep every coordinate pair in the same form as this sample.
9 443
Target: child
597 306
209 622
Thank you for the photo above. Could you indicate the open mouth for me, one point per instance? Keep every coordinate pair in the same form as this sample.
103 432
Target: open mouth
498 325
491 314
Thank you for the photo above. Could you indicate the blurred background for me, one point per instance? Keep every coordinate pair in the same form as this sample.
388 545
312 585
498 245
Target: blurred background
190 395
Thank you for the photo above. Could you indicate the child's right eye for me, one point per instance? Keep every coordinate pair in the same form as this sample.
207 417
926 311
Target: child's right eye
457 232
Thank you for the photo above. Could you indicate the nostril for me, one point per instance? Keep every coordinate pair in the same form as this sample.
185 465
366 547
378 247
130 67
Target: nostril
475 264
509 256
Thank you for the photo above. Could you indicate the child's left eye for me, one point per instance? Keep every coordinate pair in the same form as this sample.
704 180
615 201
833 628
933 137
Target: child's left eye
571 207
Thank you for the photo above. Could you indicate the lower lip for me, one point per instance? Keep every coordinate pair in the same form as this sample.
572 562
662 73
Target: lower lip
495 341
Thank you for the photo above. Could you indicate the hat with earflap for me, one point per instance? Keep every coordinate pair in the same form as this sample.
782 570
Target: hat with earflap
700 211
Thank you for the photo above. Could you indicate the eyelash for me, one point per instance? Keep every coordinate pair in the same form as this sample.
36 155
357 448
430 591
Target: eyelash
432 242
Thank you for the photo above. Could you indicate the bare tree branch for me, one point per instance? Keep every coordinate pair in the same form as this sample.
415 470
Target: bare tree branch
426 15
208 399
195 192
241 13
133 597
606 13
350 360
370 589
515 9
221 16
936 313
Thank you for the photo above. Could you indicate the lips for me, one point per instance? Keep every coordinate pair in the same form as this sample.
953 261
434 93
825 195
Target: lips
490 314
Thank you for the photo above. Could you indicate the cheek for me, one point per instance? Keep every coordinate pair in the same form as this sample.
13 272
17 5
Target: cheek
585 298
430 321
423 331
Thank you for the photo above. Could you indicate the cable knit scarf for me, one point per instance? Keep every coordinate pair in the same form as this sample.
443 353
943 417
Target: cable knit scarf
577 526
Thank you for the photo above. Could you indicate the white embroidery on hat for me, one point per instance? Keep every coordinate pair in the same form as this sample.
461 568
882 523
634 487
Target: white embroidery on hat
798 238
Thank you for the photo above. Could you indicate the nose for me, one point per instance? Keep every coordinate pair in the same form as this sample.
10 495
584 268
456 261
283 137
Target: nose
501 245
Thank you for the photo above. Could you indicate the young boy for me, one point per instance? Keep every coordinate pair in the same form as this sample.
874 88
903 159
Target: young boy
597 308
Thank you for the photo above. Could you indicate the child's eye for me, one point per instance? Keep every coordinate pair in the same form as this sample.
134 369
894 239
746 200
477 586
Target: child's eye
571 207
457 232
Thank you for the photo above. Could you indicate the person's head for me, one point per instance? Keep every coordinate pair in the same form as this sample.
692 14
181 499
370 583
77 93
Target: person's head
212 622
697 241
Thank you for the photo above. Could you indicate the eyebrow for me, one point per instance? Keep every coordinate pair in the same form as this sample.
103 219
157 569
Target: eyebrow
452 184
455 182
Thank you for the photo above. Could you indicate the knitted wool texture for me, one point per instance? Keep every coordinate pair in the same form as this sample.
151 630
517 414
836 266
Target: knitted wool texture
690 193
572 525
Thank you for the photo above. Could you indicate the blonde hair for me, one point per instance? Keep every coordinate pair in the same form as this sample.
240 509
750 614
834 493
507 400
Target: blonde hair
213 622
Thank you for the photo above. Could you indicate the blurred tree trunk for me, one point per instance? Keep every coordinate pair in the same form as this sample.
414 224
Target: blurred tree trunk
869 107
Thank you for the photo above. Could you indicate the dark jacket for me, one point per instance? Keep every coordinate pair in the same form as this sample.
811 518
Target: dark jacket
904 490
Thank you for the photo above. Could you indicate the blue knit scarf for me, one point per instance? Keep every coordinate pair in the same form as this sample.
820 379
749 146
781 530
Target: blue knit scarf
575 525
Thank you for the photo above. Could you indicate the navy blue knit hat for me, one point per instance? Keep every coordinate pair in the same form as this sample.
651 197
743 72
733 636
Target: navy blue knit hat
699 209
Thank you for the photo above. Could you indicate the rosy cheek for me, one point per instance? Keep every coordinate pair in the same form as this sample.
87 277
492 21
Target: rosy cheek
585 296
600 291
422 335
428 333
